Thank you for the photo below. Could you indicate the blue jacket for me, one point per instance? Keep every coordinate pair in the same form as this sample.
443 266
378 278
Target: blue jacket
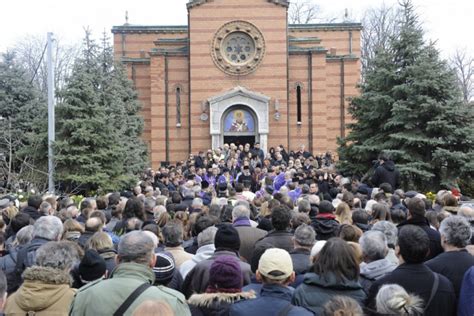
273 299
466 303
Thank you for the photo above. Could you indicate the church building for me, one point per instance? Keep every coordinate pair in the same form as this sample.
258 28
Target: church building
239 72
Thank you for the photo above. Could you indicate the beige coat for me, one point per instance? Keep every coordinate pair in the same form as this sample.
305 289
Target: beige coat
45 291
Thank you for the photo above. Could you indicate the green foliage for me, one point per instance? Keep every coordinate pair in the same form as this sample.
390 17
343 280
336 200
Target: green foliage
98 143
22 129
410 107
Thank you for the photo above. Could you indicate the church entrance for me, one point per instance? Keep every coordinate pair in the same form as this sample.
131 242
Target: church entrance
240 140
239 126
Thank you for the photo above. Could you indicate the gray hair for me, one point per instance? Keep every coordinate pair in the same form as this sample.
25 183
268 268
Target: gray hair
392 299
152 235
149 204
314 199
188 193
44 208
197 202
240 211
456 231
24 235
305 235
242 202
304 206
136 247
173 234
389 230
374 245
206 237
58 255
48 227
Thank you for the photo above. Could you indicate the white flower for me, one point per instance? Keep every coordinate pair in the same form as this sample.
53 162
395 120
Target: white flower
32 191
20 197
20 190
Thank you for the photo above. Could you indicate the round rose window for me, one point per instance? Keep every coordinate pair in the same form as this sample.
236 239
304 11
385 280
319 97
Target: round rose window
238 48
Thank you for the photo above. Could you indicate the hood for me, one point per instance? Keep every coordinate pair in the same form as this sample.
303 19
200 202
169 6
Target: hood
389 165
377 269
42 288
207 300
329 281
325 226
204 253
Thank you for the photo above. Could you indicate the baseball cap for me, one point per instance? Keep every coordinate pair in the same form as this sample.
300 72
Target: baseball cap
275 264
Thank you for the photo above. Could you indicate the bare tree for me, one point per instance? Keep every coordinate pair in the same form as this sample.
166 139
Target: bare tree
30 53
304 12
380 25
463 64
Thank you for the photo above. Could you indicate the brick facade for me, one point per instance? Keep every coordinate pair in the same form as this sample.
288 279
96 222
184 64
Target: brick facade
172 65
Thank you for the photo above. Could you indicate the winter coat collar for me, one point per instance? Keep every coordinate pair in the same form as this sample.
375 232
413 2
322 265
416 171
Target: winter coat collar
242 221
377 269
302 251
329 281
204 252
207 299
135 271
47 275
417 221
326 216
277 291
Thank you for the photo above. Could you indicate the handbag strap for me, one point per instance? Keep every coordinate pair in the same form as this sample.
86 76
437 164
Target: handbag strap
131 298
434 289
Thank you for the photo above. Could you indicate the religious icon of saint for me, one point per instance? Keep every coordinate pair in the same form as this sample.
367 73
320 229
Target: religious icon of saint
239 124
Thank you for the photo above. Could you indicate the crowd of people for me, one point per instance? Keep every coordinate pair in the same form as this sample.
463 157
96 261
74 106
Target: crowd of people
236 231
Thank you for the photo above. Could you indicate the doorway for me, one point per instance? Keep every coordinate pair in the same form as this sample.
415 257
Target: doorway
240 140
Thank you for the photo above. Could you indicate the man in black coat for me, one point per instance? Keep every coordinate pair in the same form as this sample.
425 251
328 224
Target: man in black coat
415 277
34 203
416 216
455 260
386 172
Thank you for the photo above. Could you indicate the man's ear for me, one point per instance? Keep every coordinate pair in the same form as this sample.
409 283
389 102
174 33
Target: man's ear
397 251
292 278
117 259
258 276
152 260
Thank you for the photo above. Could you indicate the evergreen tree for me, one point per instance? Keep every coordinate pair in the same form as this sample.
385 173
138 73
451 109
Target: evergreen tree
411 108
22 127
94 129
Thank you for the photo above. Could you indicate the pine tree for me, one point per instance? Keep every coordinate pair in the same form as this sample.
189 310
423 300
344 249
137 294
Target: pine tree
22 128
411 108
94 125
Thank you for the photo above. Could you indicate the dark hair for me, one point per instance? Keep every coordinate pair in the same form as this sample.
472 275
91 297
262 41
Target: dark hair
380 211
414 244
360 217
348 197
99 214
226 215
281 218
19 221
86 203
176 197
239 187
416 207
398 215
215 210
202 222
35 201
134 208
114 199
337 257
349 232
102 202
386 187
173 233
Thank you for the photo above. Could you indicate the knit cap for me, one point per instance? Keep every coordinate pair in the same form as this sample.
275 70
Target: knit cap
92 266
225 275
164 268
227 237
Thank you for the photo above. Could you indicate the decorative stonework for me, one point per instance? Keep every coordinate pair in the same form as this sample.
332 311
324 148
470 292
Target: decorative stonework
238 48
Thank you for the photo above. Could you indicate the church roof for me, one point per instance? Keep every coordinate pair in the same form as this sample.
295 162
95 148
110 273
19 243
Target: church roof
194 3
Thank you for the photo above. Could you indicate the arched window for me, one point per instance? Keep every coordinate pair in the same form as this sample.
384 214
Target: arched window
298 104
178 106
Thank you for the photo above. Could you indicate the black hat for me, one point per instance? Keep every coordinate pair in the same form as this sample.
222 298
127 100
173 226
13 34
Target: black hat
164 268
204 184
326 207
227 237
92 266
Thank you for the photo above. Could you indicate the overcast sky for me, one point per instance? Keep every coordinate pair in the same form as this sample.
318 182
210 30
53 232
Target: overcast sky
448 22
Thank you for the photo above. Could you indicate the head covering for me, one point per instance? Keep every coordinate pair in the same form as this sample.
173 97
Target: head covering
4 203
225 275
92 266
275 264
164 268
227 237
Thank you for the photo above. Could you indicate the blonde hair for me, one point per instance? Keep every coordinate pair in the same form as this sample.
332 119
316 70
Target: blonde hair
10 211
343 213
392 299
99 241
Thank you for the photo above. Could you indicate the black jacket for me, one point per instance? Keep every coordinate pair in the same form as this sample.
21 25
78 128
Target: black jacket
435 237
30 210
386 173
324 226
453 265
418 279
